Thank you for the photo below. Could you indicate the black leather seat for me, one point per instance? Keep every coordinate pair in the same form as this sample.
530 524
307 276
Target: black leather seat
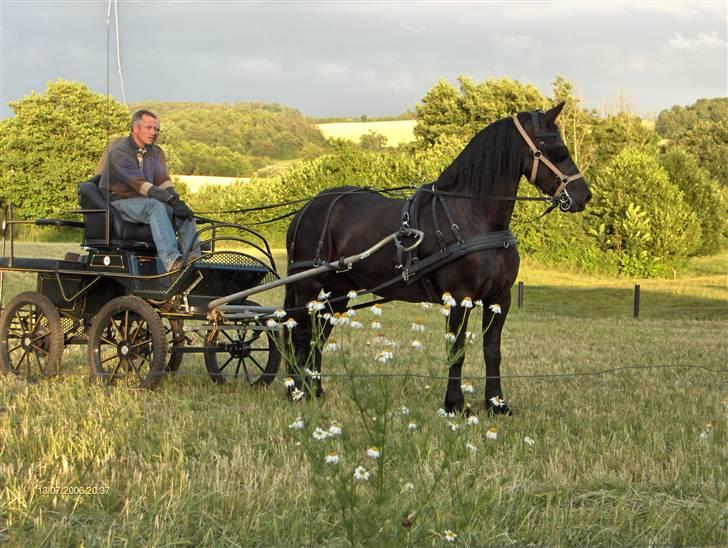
124 234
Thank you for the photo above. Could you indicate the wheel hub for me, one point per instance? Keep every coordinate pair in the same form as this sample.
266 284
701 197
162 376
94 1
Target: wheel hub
27 342
238 349
123 349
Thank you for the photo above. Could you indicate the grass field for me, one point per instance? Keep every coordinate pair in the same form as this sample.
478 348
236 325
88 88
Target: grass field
396 131
619 435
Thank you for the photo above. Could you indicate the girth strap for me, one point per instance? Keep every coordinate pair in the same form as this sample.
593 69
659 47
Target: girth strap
489 240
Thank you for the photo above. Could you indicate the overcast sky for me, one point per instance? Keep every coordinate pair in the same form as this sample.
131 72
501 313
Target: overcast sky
366 57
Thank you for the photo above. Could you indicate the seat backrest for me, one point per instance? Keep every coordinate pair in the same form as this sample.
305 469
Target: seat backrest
124 234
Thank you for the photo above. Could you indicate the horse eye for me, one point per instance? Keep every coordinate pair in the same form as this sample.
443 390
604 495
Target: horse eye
558 152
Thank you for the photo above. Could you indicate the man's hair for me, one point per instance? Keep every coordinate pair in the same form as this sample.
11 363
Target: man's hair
136 118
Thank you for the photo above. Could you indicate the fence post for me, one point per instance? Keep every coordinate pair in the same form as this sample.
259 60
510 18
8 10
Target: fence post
520 295
636 301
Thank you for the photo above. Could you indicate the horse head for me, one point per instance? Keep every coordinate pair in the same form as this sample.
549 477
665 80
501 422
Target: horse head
550 166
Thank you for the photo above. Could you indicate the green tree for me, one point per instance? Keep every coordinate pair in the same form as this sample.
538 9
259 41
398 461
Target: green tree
645 217
702 194
373 141
55 141
576 124
616 132
445 110
702 130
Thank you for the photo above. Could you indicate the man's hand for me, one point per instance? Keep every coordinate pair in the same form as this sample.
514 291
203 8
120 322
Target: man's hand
181 209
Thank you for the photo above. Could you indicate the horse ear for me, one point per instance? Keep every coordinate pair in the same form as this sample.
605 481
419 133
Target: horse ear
554 112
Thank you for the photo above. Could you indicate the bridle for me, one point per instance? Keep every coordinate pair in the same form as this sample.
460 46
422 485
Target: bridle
560 197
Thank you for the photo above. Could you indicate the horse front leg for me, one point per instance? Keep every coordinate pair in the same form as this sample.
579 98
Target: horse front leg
492 328
457 324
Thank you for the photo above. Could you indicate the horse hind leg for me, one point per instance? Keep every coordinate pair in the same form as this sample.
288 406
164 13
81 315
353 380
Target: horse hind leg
458 324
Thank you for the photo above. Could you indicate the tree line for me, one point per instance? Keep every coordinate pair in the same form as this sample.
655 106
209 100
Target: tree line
659 189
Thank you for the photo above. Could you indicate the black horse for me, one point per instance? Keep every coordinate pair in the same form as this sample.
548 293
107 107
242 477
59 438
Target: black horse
467 249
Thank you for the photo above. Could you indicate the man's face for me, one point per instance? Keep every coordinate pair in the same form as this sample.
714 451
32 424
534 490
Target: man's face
146 131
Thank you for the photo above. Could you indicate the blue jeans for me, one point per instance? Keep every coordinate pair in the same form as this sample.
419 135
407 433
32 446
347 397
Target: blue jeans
159 218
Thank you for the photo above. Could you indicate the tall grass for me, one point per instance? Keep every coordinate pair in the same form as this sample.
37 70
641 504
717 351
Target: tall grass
627 419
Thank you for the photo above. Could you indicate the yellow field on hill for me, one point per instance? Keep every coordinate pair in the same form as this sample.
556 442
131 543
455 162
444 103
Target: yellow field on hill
396 131
196 182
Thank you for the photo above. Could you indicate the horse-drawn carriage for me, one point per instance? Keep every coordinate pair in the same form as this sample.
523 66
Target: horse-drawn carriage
118 299
138 320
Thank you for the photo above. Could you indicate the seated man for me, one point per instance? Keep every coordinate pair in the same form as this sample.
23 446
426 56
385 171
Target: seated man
134 169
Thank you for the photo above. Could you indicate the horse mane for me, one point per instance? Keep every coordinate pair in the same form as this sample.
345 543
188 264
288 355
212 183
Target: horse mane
493 157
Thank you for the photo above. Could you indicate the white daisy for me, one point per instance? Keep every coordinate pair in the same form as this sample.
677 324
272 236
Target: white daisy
279 313
288 382
412 426
356 325
315 306
450 337
290 323
376 310
450 536
468 388
352 294
384 357
448 299
467 302
361 474
529 441
335 430
473 420
376 325
332 458
495 308
445 310
417 345
297 394
271 323
319 434
323 295
470 447
492 433
298 424
374 452
418 326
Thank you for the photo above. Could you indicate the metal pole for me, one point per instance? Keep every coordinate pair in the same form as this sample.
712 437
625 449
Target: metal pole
520 295
636 312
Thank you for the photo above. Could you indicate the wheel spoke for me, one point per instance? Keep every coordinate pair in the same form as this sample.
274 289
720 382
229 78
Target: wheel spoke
40 365
252 359
231 358
11 350
136 331
117 329
39 349
112 357
142 343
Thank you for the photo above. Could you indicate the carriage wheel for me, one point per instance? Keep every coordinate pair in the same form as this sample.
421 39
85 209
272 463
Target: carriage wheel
175 339
248 352
127 343
32 336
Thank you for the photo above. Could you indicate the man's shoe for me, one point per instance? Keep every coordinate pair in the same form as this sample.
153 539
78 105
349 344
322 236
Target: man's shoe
178 264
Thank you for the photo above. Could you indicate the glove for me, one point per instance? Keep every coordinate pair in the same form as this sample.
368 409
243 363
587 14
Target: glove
181 209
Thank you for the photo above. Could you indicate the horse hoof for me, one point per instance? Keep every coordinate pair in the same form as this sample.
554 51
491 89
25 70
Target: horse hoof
456 408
